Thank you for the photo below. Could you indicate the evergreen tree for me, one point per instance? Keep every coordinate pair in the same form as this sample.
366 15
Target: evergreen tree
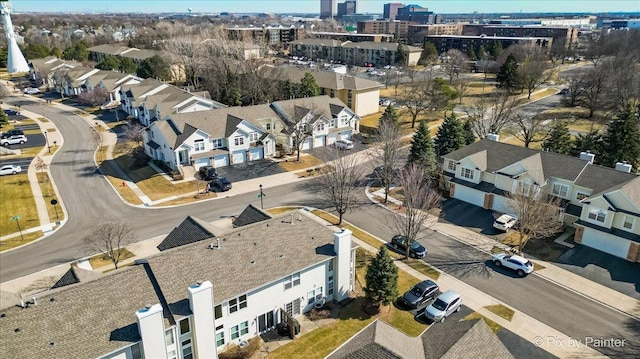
288 90
450 136
36 51
621 141
4 53
382 279
429 55
422 150
309 87
110 63
469 135
401 55
482 53
4 119
232 96
78 52
56 52
390 114
507 77
591 142
154 67
495 50
559 139
471 53
127 66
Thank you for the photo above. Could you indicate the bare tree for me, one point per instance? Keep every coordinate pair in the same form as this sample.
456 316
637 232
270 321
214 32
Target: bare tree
388 155
529 130
491 114
462 87
339 184
186 52
301 125
110 238
533 73
575 83
4 91
593 88
97 96
426 95
455 64
623 82
420 197
538 213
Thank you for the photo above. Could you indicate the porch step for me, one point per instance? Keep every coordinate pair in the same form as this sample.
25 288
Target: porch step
187 172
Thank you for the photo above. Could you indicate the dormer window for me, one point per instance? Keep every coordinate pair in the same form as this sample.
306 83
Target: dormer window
467 173
253 137
597 215
320 126
198 145
560 190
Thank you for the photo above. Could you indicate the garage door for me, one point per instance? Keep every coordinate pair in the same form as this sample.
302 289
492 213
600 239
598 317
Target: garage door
306 145
318 141
468 195
221 160
239 157
346 135
201 162
255 153
332 139
605 242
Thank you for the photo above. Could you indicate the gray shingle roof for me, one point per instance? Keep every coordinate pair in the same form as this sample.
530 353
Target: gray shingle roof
76 275
604 179
94 318
250 215
191 230
324 79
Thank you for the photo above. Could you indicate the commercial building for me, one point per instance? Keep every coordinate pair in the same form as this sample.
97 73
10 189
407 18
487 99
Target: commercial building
618 24
444 43
327 8
417 32
346 8
391 10
417 14
355 18
580 22
568 35
399 29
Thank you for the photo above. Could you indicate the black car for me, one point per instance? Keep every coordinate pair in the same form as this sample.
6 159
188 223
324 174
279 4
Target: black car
11 112
207 173
416 250
220 184
13 132
421 294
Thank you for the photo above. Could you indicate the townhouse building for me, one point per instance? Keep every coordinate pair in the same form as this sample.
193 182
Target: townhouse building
603 204
193 301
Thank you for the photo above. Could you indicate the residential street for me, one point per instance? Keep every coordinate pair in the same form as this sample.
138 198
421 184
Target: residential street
89 200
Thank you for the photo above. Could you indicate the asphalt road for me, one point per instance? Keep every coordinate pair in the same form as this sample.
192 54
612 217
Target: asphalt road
89 200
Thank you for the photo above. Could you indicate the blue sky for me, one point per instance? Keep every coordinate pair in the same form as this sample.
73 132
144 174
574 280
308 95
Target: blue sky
313 6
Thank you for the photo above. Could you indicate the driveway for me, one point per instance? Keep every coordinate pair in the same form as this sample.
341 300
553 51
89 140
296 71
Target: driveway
469 216
610 271
357 147
36 140
249 170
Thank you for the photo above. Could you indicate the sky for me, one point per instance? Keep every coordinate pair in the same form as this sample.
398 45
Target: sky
313 6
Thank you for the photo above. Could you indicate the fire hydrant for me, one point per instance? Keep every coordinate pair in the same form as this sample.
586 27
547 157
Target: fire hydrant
124 184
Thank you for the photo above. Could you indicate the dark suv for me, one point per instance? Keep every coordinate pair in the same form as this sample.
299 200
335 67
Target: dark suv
220 184
12 133
207 173
416 250
421 294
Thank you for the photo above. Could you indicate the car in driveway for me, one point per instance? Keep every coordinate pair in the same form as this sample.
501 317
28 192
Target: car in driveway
207 173
10 133
220 184
10 170
443 306
520 265
31 91
10 112
343 144
416 250
505 222
420 294
13 140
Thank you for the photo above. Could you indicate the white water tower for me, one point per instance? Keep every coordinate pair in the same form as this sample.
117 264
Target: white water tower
15 59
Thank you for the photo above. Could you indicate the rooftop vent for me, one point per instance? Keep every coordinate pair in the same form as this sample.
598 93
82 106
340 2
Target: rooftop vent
493 137
253 262
53 344
17 330
586 155
623 167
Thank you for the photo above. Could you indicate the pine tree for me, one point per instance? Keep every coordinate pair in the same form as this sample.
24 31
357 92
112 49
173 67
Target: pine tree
401 55
471 52
288 90
469 135
391 114
621 141
559 139
591 142
422 150
507 77
482 53
4 119
495 50
450 136
382 279
429 55
309 87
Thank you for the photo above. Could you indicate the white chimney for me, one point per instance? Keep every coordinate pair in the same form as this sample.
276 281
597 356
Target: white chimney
151 329
493 137
586 155
623 167
203 319
342 267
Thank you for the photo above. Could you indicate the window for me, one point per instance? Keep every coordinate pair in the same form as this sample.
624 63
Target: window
187 350
254 137
217 143
467 173
220 336
239 330
451 166
334 123
331 264
218 311
237 303
628 222
314 295
597 215
238 140
184 326
330 286
524 187
292 281
560 190
580 196
268 126
199 145
320 126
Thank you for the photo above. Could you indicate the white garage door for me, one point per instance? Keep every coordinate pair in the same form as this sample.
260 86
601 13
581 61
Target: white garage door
346 135
239 157
306 145
318 141
605 242
201 162
501 204
221 160
469 195
332 139
255 153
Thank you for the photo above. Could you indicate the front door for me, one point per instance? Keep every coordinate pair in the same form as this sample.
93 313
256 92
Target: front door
266 322
293 308
183 157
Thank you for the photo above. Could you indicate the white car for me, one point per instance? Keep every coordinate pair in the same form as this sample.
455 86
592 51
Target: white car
505 222
343 144
10 170
31 91
443 306
14 139
521 265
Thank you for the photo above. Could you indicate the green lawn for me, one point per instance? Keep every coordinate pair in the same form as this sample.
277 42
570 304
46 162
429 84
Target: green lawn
18 241
17 199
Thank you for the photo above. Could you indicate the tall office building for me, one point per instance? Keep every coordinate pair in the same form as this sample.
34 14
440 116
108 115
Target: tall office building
327 8
391 10
346 8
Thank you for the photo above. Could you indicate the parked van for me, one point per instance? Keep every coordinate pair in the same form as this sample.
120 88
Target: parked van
343 144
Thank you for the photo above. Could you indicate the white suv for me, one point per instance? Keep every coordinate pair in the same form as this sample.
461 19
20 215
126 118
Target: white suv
504 222
343 144
521 265
15 139
444 305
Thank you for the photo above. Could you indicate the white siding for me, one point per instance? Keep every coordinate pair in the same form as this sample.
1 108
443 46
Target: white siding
501 204
605 242
469 195
306 145
332 138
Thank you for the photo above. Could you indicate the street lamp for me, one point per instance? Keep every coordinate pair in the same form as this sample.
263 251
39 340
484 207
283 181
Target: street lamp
47 139
261 195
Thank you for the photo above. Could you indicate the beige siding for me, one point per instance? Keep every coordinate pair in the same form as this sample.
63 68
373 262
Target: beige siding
366 102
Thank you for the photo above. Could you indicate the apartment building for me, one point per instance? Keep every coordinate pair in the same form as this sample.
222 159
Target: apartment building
269 35
568 35
417 32
444 43
354 53
399 29
353 37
